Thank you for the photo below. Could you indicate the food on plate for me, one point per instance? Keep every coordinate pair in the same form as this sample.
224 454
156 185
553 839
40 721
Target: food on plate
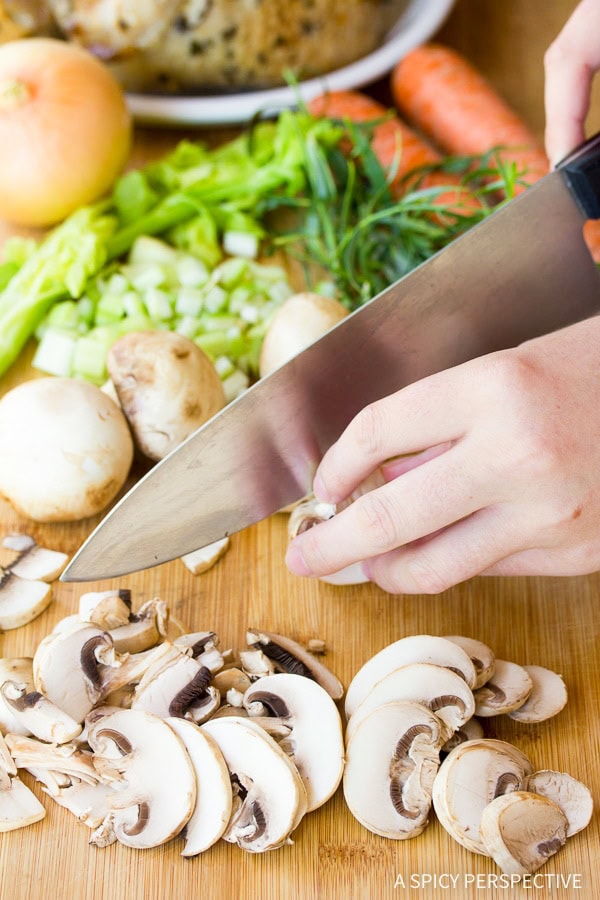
173 45
167 387
65 130
65 449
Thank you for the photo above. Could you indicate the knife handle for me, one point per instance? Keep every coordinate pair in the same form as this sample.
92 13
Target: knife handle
581 170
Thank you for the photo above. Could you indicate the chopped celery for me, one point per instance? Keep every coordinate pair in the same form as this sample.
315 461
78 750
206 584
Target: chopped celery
215 299
159 305
240 243
148 250
89 357
189 302
133 305
54 353
110 308
191 272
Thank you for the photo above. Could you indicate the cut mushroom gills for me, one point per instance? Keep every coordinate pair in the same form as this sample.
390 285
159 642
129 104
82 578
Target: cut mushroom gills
251 742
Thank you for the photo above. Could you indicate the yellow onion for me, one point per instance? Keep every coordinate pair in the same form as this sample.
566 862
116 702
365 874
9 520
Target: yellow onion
65 130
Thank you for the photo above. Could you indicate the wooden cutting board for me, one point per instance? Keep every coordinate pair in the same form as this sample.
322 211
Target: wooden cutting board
551 622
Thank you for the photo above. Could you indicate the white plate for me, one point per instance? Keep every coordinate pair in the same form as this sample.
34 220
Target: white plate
418 22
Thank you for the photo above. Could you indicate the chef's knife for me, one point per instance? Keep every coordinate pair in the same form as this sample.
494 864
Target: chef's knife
523 271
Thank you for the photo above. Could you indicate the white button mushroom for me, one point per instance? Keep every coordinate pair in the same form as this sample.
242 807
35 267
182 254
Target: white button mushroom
548 696
21 600
521 831
288 655
483 657
18 805
65 449
506 690
573 797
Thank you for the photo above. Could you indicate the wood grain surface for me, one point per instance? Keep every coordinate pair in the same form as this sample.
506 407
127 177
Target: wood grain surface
549 621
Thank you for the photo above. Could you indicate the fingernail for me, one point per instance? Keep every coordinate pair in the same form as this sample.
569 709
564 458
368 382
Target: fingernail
319 489
295 561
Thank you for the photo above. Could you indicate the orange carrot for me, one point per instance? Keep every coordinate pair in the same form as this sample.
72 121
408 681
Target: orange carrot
393 142
443 95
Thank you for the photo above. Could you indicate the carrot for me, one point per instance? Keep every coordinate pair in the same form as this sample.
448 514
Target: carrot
394 143
444 96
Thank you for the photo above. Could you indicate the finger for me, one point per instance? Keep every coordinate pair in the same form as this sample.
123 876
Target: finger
411 420
456 554
417 504
399 466
569 66
580 560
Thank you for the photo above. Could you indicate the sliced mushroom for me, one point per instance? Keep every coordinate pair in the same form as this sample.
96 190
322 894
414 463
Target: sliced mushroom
33 562
420 648
269 795
15 668
521 831
143 630
87 802
256 664
573 797
289 656
507 690
470 777
151 771
203 646
203 559
19 806
106 609
392 759
37 715
441 690
177 685
470 731
484 659
232 684
315 742
212 811
21 600
548 696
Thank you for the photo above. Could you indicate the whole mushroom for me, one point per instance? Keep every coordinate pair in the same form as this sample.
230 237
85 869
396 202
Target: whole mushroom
65 449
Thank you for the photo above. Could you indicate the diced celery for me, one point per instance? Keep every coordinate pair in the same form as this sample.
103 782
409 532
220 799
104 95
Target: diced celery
189 301
241 243
133 304
64 315
149 275
224 366
215 299
268 273
191 272
250 313
235 384
230 272
54 353
219 323
187 326
218 343
280 291
147 249
159 306
238 298
85 310
89 358
117 284
326 288
110 308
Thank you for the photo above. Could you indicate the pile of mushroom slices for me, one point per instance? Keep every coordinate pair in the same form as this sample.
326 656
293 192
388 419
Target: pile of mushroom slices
421 698
26 582
110 698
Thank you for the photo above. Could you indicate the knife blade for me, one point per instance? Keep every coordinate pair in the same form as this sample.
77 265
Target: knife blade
522 272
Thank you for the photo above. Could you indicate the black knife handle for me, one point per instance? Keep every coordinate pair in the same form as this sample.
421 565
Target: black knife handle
581 170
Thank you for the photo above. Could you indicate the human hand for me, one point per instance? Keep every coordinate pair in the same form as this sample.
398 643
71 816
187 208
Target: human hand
504 480
570 63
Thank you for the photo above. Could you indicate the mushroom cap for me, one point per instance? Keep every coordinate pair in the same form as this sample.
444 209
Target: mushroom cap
483 657
468 779
214 799
548 696
155 790
21 600
521 831
315 744
439 689
270 798
167 386
82 461
507 690
572 796
420 648
392 759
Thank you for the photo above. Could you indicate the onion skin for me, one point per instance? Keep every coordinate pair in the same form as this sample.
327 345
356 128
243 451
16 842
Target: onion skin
65 130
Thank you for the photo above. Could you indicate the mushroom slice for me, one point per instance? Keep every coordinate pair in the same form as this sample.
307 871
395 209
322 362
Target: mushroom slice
548 696
106 609
256 664
315 742
143 630
573 797
203 559
507 690
21 600
202 645
212 811
151 771
269 795
19 806
289 656
37 715
419 648
441 690
470 777
232 684
392 759
521 831
482 656
15 668
87 802
470 731
177 685
66 761
33 562
67 668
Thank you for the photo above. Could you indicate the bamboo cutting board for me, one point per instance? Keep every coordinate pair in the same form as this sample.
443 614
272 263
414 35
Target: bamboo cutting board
551 622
